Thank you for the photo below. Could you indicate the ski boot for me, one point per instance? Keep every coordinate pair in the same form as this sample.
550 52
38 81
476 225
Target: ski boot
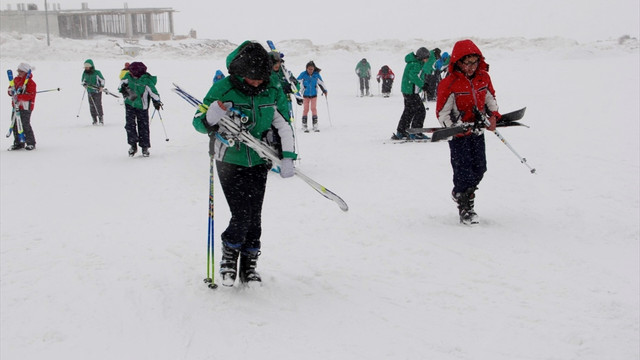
229 265
248 264
419 136
30 147
145 152
399 136
304 124
314 119
465 201
100 120
133 150
16 146
95 120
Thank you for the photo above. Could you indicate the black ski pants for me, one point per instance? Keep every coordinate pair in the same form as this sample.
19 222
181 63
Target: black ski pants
413 114
244 189
364 84
432 86
386 85
468 160
95 104
25 117
137 126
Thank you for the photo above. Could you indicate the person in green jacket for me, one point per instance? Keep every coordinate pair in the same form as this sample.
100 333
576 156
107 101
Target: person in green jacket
139 90
363 70
93 82
429 74
412 83
279 79
242 172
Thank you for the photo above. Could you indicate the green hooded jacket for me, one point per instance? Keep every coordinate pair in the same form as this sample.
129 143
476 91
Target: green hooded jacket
412 83
264 110
363 69
428 67
93 78
144 87
278 80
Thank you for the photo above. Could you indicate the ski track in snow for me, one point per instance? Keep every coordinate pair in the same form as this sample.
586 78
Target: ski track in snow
103 256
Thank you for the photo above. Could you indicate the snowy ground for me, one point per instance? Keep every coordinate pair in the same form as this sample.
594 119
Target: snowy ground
103 256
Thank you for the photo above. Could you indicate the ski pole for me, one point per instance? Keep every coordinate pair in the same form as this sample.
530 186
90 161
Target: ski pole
328 112
81 102
522 160
43 91
166 137
487 124
211 261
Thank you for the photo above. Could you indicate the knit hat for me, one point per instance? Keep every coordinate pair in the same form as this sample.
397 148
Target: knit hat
251 62
137 69
25 67
422 53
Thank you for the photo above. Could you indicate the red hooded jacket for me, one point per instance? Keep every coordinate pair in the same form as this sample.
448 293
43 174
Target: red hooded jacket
27 99
458 95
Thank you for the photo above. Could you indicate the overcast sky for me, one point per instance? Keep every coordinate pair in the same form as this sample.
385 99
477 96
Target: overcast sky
361 20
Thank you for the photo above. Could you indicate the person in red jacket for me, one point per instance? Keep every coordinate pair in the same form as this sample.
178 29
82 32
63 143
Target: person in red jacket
26 99
466 96
386 75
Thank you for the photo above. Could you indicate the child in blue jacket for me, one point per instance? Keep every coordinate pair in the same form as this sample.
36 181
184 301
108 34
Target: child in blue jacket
310 80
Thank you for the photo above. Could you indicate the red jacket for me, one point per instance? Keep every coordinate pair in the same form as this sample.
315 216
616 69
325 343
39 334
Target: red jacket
27 99
458 95
388 75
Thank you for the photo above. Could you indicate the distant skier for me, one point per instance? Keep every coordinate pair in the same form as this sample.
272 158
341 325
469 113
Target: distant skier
138 87
386 75
311 80
363 70
461 96
279 79
93 82
429 75
26 101
414 112
441 66
242 172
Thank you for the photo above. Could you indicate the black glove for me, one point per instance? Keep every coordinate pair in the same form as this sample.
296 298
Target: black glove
211 130
299 101
157 105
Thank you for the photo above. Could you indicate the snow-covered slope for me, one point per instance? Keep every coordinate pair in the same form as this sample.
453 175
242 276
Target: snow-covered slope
102 256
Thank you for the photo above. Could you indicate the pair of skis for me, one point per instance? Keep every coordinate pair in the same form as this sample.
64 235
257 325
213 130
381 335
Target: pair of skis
15 116
440 133
506 120
235 130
